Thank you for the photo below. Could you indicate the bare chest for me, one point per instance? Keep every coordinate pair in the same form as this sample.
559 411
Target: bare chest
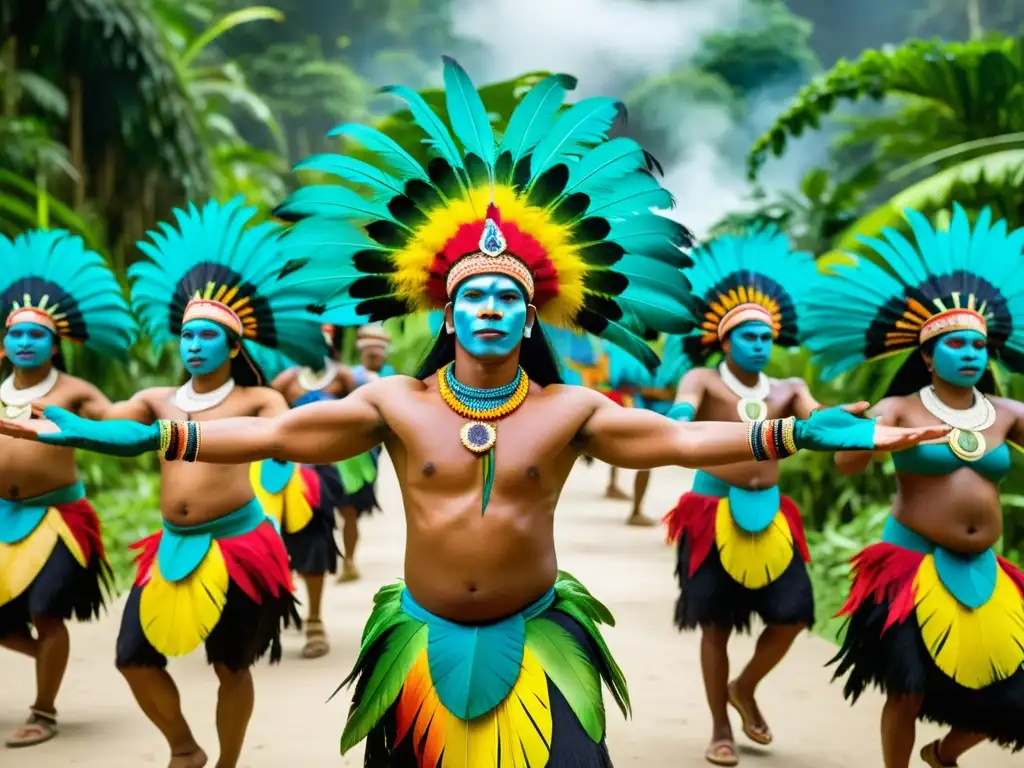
239 403
722 404
532 449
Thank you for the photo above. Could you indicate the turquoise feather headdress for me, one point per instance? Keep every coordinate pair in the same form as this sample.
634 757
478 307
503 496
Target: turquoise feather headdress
961 277
51 278
553 203
737 278
214 265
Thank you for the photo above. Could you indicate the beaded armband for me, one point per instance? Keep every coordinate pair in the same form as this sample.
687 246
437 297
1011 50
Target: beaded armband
772 439
180 440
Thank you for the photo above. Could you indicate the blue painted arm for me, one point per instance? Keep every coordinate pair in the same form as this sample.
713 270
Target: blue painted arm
834 429
682 412
114 438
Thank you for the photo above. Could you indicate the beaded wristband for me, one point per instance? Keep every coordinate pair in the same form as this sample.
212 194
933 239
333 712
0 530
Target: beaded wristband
772 439
192 444
789 436
180 440
165 436
754 441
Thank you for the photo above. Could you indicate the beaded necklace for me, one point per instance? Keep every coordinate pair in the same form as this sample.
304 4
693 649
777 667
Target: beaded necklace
485 407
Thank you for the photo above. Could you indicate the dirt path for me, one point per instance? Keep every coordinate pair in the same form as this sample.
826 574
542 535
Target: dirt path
629 569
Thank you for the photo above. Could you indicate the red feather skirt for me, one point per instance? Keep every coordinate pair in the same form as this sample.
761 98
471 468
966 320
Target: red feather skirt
716 590
883 645
238 616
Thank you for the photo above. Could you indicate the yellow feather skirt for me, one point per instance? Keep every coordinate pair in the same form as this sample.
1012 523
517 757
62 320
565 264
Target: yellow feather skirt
21 562
178 616
908 634
290 507
755 560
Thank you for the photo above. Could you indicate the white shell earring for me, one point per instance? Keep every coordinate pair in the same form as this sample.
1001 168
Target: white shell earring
527 331
449 328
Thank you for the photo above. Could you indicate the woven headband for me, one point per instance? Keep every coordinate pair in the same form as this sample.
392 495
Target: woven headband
32 315
953 320
215 311
743 313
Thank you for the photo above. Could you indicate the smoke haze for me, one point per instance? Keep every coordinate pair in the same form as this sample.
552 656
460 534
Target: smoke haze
611 44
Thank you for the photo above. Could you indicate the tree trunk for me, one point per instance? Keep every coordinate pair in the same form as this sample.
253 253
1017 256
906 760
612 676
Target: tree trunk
76 141
974 26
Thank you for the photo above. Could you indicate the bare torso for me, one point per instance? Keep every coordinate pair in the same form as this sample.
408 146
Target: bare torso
460 564
29 469
719 404
960 511
191 494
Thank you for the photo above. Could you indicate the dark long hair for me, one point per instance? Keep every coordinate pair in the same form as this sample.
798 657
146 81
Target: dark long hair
914 374
535 356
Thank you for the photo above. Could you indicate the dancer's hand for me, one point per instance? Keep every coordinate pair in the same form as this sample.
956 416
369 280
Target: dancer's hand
63 428
843 429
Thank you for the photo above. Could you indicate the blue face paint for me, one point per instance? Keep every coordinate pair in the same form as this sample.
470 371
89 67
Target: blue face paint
750 345
960 358
28 345
489 313
204 346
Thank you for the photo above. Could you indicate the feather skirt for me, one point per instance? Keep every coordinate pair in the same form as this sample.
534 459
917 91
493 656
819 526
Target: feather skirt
907 634
303 505
235 600
727 575
358 482
313 549
522 692
59 569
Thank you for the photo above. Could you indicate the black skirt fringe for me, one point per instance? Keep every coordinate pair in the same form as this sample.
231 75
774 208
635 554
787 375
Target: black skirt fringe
897 662
363 501
571 747
313 550
245 632
62 589
712 596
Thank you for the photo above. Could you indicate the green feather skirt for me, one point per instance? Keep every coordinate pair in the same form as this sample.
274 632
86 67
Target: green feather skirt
523 691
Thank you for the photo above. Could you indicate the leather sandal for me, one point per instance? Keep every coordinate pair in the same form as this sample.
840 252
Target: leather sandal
40 727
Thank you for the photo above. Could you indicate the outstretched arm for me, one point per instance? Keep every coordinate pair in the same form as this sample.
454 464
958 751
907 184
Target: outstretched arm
93 404
637 439
319 433
855 462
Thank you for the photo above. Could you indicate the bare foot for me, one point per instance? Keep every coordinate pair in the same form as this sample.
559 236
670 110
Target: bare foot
754 725
640 520
196 759
614 493
349 572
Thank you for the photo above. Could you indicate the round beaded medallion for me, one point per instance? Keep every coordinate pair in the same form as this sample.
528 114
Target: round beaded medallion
478 437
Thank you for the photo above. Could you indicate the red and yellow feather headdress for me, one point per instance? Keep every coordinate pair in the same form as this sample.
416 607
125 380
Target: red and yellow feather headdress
555 205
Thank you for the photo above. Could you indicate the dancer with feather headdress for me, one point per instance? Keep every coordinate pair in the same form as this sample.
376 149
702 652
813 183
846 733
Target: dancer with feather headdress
217 573
52 564
486 653
741 545
935 617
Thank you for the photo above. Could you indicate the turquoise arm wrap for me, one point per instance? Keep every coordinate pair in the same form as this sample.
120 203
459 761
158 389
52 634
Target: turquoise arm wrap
682 412
114 438
833 429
